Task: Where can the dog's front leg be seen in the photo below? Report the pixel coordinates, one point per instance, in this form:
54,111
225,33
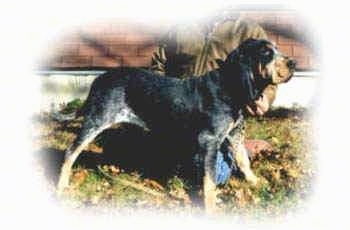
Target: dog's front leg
209,144
209,186
236,139
243,163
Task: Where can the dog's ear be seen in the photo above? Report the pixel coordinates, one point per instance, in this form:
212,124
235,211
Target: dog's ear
247,77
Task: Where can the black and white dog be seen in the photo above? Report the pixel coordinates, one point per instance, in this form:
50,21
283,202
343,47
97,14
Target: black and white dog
206,108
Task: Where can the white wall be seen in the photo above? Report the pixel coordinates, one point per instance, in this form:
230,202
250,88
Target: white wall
59,88
299,90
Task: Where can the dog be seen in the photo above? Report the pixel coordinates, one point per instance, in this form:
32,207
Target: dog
208,109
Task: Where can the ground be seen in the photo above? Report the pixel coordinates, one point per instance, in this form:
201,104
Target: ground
286,173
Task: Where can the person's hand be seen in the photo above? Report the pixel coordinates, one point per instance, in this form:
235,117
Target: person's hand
256,146
261,106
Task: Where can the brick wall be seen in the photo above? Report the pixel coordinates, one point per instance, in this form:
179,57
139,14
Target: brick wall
116,43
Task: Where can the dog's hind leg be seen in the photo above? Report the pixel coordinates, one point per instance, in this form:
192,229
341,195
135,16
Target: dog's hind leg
85,136
93,125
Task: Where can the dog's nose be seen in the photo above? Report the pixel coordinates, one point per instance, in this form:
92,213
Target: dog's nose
291,64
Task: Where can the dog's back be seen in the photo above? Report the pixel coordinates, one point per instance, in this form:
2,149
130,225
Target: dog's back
153,98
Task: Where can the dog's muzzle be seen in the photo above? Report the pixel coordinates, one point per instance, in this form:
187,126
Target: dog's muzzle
285,71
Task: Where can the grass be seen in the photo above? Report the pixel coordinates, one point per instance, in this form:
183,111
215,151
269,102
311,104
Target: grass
285,173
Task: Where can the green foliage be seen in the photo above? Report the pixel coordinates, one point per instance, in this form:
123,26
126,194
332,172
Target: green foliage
176,183
72,106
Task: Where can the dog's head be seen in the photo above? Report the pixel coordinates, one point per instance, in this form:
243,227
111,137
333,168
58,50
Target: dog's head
254,65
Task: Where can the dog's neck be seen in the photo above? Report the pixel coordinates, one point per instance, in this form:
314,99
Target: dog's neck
226,89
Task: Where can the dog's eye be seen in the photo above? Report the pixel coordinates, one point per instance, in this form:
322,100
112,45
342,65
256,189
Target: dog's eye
267,53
